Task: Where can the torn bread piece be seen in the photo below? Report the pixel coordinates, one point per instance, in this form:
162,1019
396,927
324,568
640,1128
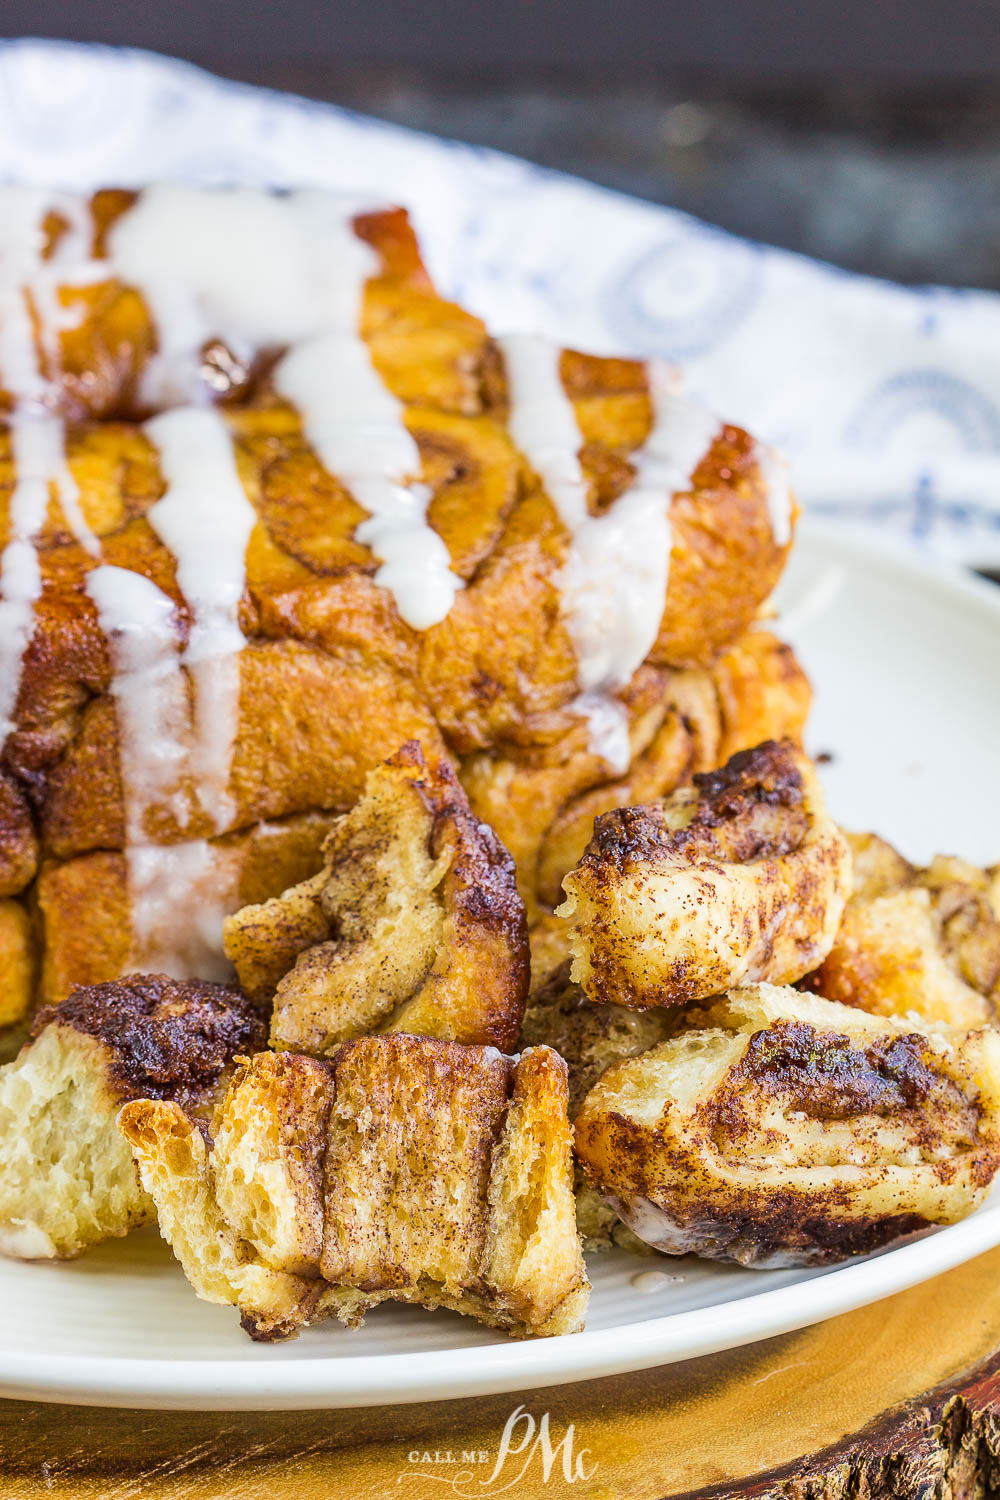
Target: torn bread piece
403,1167
414,924
741,878
67,1180
590,1038
921,941
783,1129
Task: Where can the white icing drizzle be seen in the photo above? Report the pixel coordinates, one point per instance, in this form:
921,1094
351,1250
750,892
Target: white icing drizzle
149,689
26,279
616,574
70,264
543,424
22,240
253,268
205,520
37,438
178,893
356,427
775,475
37,443
69,491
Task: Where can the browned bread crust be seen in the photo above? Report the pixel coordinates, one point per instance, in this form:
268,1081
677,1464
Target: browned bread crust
165,1038
753,807
18,842
18,971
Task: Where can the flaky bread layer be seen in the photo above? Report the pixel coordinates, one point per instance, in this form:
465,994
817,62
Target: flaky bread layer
414,923
403,1168
67,1180
174,1168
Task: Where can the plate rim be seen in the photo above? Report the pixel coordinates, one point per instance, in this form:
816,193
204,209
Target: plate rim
491,1369
480,1370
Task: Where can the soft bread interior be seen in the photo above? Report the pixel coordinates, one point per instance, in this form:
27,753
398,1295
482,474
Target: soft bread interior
67,1179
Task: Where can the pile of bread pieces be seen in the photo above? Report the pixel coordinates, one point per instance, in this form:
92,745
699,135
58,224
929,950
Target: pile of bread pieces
411,875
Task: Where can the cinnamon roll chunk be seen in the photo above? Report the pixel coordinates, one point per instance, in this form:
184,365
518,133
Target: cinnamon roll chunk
781,1130
916,941
741,878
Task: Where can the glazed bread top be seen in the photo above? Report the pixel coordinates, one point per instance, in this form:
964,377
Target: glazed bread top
270,507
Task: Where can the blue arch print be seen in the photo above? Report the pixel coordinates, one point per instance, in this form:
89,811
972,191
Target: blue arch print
970,412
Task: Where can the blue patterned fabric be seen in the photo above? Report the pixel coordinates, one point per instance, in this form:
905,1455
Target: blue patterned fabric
887,399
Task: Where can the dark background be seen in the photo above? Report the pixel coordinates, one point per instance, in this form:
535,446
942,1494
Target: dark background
865,133
899,37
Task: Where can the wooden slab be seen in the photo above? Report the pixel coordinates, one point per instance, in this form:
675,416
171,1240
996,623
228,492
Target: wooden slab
899,1400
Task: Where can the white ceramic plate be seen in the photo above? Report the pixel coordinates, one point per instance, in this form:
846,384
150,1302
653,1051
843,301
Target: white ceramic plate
905,666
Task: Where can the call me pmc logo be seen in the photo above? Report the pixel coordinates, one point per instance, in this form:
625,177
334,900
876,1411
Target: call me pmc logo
526,1447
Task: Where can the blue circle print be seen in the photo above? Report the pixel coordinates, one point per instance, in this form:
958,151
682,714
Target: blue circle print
686,294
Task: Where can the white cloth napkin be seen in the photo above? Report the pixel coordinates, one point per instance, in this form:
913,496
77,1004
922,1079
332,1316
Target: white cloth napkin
887,399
